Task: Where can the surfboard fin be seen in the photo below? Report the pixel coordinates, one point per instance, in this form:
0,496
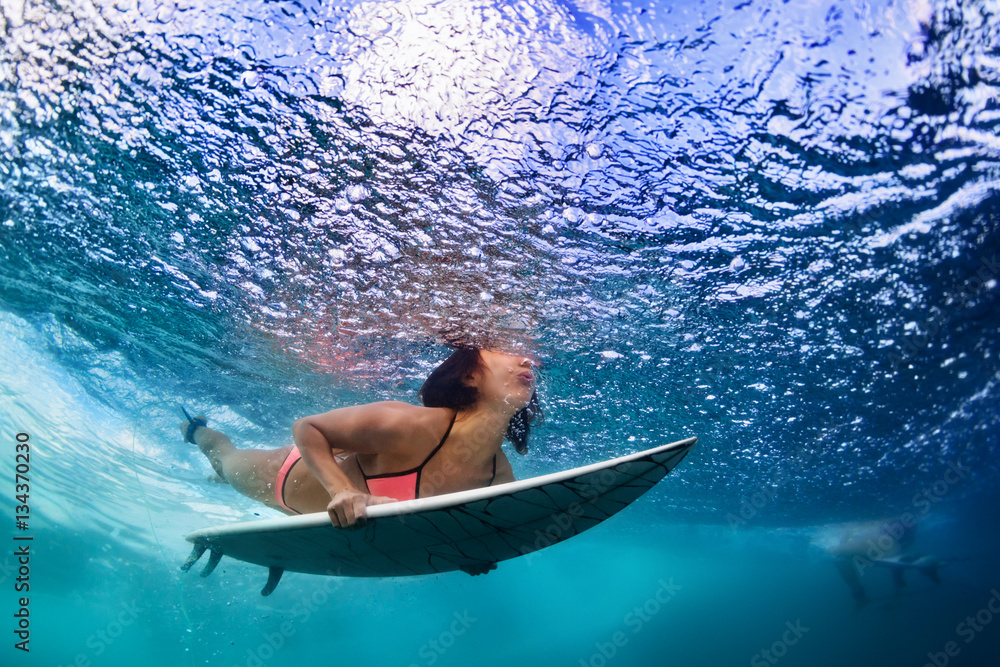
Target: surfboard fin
273,577
213,560
196,553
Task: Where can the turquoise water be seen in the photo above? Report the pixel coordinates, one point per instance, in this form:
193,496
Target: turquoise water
774,226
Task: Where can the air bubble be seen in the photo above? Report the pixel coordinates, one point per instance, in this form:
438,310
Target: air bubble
356,194
165,14
250,80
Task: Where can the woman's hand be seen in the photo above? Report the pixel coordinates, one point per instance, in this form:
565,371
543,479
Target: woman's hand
347,507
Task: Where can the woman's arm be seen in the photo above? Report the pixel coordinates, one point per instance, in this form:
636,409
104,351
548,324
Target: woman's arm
364,429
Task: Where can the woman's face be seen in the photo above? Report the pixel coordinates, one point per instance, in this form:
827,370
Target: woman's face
507,380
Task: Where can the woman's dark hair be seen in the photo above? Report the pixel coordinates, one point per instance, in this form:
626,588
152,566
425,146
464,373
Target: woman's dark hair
445,388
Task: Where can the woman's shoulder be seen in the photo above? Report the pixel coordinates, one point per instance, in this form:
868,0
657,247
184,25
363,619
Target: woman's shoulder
395,420
395,408
404,415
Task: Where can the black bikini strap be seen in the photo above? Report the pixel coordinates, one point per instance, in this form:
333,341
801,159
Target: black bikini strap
440,444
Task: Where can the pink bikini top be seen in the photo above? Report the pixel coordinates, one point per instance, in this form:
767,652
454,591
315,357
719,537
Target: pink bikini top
405,485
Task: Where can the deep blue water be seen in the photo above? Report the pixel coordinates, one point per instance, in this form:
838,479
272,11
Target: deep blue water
772,225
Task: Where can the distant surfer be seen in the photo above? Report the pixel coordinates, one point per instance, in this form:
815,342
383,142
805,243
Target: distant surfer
882,544
388,451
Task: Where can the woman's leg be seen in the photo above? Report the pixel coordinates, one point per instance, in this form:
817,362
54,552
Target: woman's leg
252,472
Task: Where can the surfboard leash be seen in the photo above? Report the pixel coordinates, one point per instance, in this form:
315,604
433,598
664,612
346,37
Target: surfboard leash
152,527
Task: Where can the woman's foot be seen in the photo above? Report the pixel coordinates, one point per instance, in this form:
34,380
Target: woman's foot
191,425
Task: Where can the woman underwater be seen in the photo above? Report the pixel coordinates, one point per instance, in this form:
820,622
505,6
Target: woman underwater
388,451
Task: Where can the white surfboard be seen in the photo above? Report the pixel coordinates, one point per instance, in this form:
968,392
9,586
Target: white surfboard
469,531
